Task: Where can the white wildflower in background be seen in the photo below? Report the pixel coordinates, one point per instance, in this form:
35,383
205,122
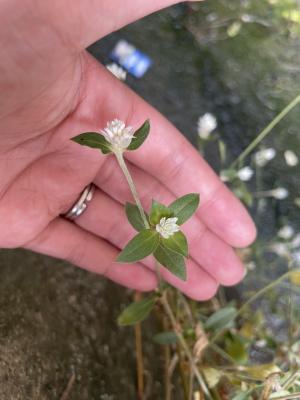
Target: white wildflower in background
167,227
251,266
291,158
117,71
280,193
118,134
245,174
262,157
281,249
286,232
296,241
206,124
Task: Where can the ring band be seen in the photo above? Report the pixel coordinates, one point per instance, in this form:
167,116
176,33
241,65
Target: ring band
81,204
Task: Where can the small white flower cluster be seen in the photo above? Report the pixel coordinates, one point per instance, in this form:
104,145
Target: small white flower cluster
291,158
206,124
262,157
118,134
167,227
280,193
117,71
286,232
245,174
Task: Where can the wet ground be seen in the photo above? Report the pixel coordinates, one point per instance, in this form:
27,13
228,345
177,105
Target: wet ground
55,320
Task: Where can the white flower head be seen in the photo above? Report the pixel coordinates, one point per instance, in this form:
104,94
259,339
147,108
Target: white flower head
281,249
206,124
167,227
280,193
291,158
118,134
262,157
286,232
245,174
117,71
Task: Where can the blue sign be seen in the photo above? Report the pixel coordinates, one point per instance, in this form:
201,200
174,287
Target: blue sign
131,59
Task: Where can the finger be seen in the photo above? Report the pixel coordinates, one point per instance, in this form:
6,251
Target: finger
86,21
223,264
166,154
63,239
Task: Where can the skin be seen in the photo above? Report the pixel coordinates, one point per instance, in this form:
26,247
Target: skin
51,89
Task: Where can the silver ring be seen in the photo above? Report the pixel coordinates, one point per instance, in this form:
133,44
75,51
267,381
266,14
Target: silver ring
81,204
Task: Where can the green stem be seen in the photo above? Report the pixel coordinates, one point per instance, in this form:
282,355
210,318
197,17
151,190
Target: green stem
123,166
164,299
266,131
251,300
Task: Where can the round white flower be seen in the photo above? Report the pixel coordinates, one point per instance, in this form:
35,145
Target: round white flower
167,227
280,193
262,157
245,174
206,124
118,134
281,249
286,232
291,158
117,71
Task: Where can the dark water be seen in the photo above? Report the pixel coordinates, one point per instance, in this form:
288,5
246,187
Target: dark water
55,319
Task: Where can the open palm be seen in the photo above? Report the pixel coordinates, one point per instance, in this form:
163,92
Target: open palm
50,90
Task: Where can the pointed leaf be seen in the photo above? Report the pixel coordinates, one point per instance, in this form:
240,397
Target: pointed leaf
177,242
158,211
174,262
221,318
140,136
185,207
143,244
137,311
94,140
134,216
165,338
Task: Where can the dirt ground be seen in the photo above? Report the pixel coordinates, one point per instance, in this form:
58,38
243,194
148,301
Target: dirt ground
56,321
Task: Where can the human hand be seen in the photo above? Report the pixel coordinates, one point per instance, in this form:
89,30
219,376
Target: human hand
50,90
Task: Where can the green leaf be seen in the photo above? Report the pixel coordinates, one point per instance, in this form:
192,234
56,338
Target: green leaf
140,136
221,318
94,140
165,338
185,207
137,311
158,211
236,348
177,242
134,216
174,262
143,244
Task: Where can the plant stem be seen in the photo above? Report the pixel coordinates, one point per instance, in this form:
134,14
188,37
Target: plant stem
248,302
164,299
132,187
266,131
184,345
139,354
